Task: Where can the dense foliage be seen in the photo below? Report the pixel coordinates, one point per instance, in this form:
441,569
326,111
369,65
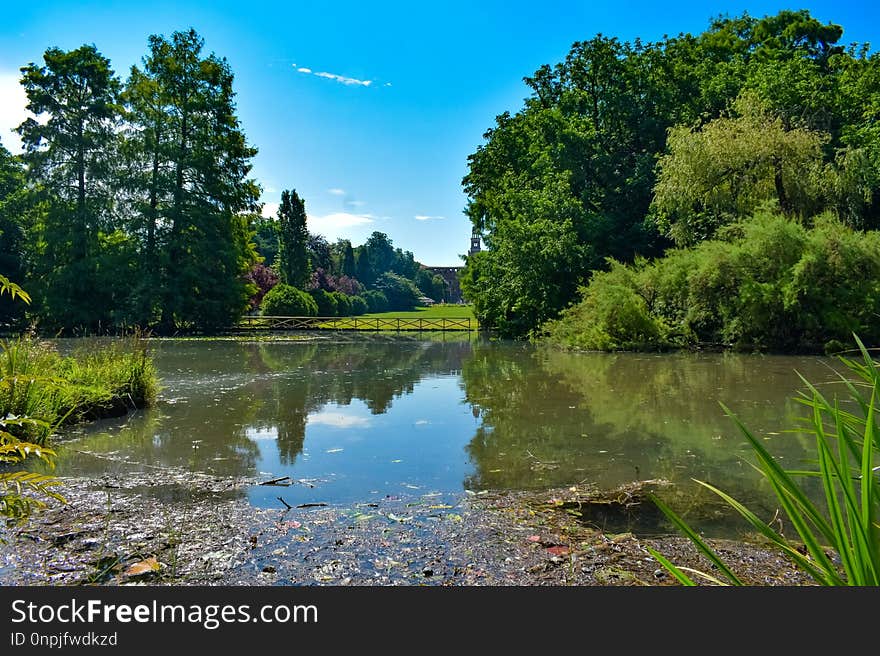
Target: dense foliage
131,203
624,146
400,293
286,301
41,390
293,239
768,282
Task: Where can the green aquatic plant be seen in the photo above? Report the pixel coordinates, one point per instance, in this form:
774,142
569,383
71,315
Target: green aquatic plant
845,523
21,491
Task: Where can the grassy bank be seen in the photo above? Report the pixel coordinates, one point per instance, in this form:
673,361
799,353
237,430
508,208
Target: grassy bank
445,311
94,381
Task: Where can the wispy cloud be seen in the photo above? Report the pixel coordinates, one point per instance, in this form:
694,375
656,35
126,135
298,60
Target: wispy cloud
356,203
426,217
335,77
336,192
348,81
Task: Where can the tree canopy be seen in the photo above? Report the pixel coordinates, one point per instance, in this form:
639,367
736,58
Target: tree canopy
623,145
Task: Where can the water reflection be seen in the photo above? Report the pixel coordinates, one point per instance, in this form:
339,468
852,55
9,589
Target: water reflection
367,417
550,418
246,409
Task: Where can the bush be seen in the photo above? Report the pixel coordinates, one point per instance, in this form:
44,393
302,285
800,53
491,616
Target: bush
343,304
613,315
358,305
286,301
376,301
766,283
401,293
326,303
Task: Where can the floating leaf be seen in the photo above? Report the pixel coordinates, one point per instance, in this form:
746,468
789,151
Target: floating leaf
146,566
558,551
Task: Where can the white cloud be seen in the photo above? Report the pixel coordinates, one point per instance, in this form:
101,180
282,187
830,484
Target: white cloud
337,420
258,434
356,203
339,224
348,81
270,210
342,79
12,110
425,217
341,219
336,192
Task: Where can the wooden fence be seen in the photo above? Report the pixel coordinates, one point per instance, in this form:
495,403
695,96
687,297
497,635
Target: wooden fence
357,323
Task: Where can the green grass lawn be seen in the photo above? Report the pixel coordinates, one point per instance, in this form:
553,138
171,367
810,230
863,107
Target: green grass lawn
433,312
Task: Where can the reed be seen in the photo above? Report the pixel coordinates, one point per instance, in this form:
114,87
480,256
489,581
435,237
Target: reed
845,520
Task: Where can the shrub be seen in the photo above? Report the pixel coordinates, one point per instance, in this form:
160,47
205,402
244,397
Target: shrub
376,301
343,304
401,293
358,305
327,306
765,283
284,300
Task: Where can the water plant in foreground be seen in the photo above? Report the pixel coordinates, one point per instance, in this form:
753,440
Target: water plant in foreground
838,542
21,491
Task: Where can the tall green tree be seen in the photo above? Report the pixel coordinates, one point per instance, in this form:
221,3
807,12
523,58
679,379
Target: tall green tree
197,162
266,239
69,148
320,256
579,158
150,181
293,240
14,210
345,257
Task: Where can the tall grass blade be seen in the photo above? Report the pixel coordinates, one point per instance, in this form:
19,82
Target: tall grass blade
682,578
705,549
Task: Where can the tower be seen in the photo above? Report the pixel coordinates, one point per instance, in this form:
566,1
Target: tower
475,242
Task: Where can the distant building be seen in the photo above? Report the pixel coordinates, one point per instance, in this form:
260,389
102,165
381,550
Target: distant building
450,274
475,242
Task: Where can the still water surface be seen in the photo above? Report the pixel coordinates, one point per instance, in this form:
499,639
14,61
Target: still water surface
372,417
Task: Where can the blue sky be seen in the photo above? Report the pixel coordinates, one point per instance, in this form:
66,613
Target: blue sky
369,110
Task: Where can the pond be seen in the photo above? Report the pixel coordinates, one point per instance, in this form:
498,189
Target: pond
355,419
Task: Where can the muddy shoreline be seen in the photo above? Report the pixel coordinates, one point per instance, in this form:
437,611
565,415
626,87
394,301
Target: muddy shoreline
180,528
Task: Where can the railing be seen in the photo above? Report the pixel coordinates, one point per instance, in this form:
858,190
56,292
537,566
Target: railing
356,323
